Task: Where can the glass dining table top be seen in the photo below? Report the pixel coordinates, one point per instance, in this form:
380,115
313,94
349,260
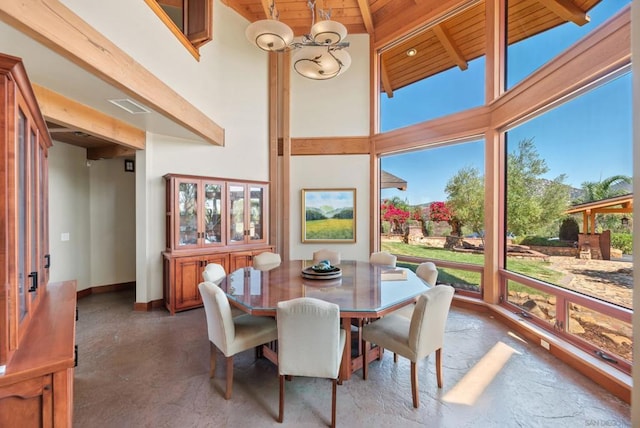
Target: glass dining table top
362,290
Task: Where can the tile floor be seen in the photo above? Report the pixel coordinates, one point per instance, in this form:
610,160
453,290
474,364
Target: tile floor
151,370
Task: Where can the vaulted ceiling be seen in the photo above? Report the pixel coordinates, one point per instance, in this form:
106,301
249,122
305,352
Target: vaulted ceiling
443,35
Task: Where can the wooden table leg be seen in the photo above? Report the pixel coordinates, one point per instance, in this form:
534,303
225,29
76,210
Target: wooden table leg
345,367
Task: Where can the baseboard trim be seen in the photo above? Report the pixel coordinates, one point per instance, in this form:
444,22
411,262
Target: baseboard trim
148,306
105,289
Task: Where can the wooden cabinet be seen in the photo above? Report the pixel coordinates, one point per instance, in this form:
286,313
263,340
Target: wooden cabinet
37,319
209,220
246,211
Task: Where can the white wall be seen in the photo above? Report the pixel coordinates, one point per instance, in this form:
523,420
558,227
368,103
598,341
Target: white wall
112,223
69,214
326,172
95,206
334,107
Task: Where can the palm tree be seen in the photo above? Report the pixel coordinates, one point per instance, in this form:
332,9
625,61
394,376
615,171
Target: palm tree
604,189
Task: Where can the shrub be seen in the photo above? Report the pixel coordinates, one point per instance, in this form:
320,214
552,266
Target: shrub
622,242
569,230
542,241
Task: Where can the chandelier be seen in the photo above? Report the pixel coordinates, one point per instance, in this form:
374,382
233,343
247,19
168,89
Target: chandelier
319,55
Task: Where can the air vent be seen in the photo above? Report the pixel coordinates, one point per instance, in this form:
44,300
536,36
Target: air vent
130,106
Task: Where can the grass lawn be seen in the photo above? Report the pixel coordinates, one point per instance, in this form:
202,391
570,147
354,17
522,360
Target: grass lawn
532,268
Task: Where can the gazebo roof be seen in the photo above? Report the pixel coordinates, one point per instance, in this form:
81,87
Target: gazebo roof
617,204
390,181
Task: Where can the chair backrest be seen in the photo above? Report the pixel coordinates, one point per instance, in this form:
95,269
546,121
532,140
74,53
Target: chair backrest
428,272
266,261
219,320
426,333
310,341
383,258
325,254
214,272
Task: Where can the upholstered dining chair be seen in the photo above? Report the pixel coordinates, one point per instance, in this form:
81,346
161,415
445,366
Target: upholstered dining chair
310,343
428,272
413,338
232,335
326,254
266,261
383,258
215,273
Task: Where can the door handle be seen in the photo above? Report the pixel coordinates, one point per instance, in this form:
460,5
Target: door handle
34,281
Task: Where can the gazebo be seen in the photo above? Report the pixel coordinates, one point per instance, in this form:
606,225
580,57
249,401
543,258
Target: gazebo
588,239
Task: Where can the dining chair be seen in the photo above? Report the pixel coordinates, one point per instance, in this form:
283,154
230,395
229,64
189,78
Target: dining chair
266,261
413,338
428,272
310,343
232,335
383,258
215,273
326,254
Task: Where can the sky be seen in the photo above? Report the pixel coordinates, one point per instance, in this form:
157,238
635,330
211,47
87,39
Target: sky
575,138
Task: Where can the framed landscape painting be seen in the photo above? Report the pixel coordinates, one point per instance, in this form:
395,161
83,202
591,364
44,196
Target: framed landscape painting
328,215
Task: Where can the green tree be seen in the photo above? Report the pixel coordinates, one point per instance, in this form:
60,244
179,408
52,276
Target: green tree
532,202
604,189
465,192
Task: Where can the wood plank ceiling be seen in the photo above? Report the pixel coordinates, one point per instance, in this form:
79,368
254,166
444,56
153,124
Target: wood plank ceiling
439,44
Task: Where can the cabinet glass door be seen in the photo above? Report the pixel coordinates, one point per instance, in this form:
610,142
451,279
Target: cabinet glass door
213,213
34,209
256,213
21,165
236,195
187,213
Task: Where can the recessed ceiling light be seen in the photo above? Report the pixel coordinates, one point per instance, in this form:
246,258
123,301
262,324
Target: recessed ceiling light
412,52
130,106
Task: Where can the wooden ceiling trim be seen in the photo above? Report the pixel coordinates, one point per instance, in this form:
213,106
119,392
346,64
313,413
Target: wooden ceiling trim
64,111
449,46
110,152
384,78
59,29
365,11
566,10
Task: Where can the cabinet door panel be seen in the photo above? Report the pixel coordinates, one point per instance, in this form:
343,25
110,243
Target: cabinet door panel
257,230
188,276
213,214
27,404
236,214
187,215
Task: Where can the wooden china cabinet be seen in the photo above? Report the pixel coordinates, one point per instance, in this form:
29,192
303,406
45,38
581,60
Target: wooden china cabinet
37,319
209,220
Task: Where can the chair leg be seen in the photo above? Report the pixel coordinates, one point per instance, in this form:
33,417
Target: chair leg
281,408
212,357
229,377
414,384
333,404
395,357
365,360
439,366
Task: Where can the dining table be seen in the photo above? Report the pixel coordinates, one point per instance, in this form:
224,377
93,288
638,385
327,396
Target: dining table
363,291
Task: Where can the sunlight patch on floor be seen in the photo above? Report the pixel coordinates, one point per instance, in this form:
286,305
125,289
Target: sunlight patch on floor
473,384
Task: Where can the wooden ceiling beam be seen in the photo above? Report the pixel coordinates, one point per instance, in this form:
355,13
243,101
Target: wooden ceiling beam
52,24
71,114
566,10
450,47
384,78
97,153
367,18
170,3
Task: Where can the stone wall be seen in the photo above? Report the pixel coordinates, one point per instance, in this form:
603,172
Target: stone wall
555,251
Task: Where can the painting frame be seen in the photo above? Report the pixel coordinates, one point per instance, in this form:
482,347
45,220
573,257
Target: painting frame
328,215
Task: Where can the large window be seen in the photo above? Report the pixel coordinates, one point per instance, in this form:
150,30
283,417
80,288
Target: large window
537,33
435,73
576,155
433,208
